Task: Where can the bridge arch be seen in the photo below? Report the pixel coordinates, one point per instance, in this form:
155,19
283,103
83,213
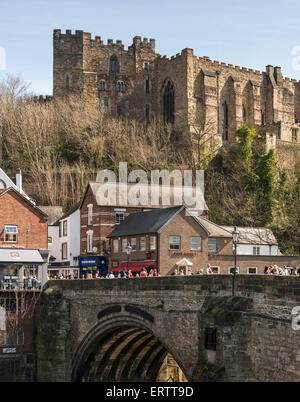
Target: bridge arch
121,348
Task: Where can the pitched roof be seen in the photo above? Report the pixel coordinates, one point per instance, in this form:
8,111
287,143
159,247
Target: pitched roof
53,212
145,222
214,229
70,212
95,187
248,235
9,183
28,202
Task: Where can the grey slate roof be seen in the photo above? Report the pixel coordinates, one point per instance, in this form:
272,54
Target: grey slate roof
145,222
53,212
95,187
255,236
214,229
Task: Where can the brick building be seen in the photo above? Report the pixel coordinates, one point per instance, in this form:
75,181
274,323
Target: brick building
30,222
23,254
184,90
162,238
98,221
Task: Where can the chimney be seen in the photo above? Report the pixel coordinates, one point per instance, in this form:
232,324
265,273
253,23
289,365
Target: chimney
19,181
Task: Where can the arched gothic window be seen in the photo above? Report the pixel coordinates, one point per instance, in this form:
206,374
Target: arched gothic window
114,64
169,103
225,121
102,86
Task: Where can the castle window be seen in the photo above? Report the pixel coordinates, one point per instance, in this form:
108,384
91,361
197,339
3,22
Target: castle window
102,86
104,105
244,114
146,66
147,113
67,81
262,118
147,86
278,134
296,120
120,86
114,64
225,121
294,134
120,109
169,103
210,339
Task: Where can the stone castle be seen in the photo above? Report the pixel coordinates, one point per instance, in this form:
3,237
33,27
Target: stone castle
184,90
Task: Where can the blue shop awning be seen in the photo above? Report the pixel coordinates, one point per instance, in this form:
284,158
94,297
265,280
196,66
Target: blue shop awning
20,257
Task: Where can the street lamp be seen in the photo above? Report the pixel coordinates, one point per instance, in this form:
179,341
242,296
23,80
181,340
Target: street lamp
128,251
235,235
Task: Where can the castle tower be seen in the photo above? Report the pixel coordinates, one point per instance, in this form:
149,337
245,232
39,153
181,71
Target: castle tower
185,91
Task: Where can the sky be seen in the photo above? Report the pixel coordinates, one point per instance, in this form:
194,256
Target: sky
249,34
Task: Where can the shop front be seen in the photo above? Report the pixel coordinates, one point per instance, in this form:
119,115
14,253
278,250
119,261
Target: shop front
89,266
57,269
135,267
20,269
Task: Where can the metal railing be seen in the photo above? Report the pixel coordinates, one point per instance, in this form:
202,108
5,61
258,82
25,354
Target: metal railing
26,284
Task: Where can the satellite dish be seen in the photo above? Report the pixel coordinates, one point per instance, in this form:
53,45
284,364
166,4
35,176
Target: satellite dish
95,249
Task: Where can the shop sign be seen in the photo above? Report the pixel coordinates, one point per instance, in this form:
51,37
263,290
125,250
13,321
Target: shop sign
88,261
9,350
182,254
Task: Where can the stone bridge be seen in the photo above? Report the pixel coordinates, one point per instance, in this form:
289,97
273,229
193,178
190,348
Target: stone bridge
122,329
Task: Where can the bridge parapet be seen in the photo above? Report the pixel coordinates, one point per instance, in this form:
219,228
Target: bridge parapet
87,325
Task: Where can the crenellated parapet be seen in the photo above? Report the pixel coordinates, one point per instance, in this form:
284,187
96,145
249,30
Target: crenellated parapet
223,94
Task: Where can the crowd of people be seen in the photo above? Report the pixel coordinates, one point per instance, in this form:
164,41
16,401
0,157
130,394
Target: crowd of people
125,273
275,270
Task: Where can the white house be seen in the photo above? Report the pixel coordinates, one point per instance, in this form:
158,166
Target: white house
64,243
255,241
6,182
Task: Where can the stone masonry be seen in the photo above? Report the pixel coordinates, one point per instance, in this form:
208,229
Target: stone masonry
109,330
184,90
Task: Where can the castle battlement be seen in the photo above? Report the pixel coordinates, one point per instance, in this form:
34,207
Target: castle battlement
162,87
218,64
